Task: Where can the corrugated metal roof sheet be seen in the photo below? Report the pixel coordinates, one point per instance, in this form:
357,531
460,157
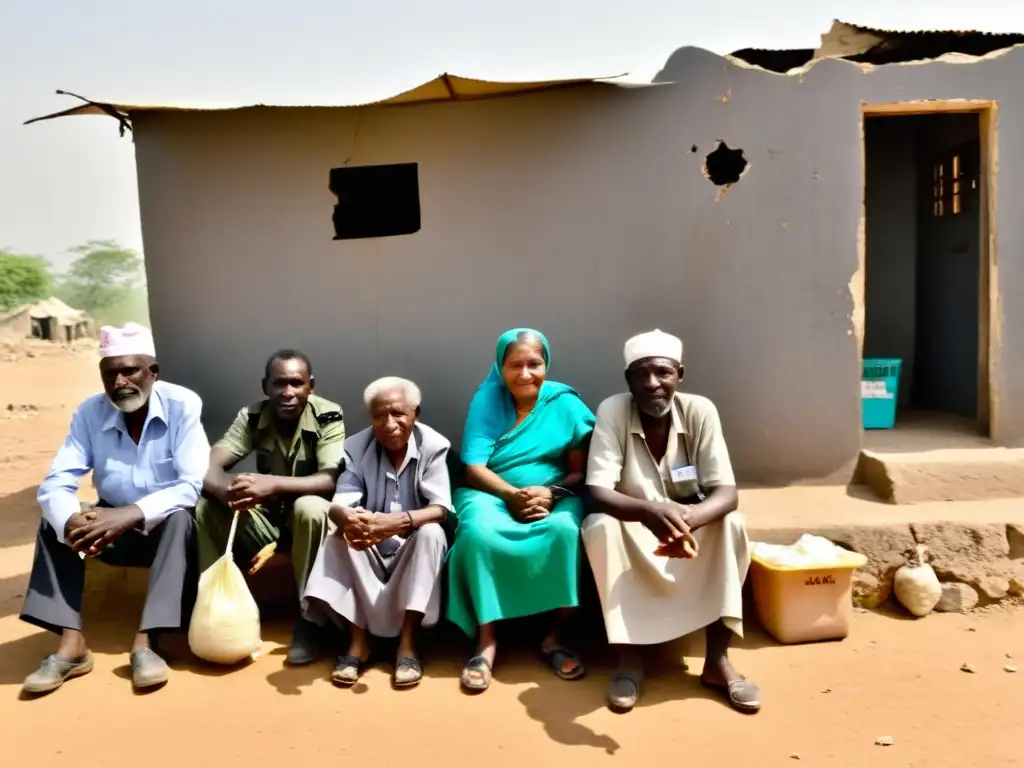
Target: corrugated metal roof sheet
916,32
446,87
869,45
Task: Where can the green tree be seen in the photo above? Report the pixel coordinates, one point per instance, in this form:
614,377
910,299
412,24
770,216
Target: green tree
103,276
23,279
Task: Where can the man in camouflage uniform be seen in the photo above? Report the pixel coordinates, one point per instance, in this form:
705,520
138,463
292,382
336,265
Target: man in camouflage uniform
299,442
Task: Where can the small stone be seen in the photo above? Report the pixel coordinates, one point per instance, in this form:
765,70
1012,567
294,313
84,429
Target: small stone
883,741
795,756
1009,655
1009,668
957,598
971,629
827,690
994,587
867,590
1017,586
968,668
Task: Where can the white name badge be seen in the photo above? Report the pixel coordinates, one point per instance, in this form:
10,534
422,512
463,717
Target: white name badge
395,507
686,474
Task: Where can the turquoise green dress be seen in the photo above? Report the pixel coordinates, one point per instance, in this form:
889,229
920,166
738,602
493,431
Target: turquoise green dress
499,568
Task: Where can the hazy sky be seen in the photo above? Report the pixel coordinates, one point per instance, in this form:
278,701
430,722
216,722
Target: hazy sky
70,180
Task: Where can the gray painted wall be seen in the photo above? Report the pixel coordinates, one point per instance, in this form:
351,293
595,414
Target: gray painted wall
581,212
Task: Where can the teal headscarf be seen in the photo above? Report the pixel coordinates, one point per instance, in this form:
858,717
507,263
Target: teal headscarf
492,411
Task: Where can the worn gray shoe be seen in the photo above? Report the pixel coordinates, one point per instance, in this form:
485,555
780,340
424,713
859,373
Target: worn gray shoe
54,671
148,669
305,643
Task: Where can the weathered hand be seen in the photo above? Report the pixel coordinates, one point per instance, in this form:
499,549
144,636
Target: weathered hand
77,520
358,528
540,496
248,490
531,514
106,527
665,520
685,548
532,498
668,521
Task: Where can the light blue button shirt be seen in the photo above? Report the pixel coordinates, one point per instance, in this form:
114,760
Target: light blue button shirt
160,475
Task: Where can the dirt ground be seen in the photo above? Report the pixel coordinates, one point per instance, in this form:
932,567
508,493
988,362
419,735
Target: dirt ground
825,704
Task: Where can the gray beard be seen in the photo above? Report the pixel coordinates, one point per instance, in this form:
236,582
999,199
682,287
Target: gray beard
130,404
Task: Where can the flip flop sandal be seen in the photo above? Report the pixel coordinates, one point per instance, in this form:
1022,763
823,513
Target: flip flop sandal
348,670
408,672
477,666
624,690
743,696
556,656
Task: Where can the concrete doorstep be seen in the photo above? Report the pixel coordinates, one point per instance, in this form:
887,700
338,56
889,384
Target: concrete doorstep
954,474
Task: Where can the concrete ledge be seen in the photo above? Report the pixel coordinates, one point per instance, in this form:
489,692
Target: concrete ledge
957,474
980,544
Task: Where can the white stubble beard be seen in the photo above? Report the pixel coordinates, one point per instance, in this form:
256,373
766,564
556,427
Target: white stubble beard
130,404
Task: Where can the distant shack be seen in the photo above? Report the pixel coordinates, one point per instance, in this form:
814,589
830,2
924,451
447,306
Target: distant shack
53,320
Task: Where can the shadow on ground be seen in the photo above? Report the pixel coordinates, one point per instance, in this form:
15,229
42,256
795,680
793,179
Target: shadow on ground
20,514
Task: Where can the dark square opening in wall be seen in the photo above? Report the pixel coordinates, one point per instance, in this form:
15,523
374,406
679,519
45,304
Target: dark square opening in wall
376,200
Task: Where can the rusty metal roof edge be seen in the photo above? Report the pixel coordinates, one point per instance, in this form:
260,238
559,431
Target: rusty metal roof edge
914,32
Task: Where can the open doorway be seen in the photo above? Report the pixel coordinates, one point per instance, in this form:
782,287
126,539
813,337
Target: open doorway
926,292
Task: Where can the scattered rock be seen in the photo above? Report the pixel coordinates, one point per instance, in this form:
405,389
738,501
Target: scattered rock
957,598
972,629
994,587
1009,655
867,590
1015,537
1009,668
1016,580
795,756
968,668
964,552
829,690
883,741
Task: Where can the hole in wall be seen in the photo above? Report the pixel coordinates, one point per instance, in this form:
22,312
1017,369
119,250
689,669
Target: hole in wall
375,200
693,149
725,166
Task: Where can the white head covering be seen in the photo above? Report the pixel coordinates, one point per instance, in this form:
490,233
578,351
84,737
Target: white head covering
653,344
130,339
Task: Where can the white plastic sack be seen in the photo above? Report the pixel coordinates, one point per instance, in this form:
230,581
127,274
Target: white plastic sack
915,584
225,626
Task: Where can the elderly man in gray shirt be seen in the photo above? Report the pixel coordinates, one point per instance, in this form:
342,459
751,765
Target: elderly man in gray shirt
378,571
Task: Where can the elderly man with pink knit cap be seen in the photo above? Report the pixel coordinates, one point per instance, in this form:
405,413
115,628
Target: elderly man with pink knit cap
143,441
668,550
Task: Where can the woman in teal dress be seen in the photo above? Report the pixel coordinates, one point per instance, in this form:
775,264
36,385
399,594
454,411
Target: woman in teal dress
517,545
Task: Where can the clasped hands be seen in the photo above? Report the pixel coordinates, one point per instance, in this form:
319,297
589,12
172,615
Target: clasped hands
529,504
673,524
92,531
362,529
